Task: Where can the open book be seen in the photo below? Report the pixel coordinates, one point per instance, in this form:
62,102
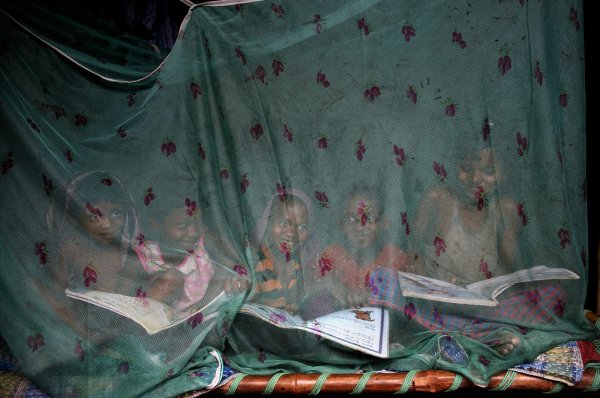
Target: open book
363,329
152,315
479,293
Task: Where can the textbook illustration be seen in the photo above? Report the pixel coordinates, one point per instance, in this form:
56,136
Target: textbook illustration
482,293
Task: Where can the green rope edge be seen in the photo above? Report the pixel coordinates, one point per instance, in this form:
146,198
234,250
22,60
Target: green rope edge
271,384
407,382
506,382
595,383
557,388
360,386
458,379
319,384
235,383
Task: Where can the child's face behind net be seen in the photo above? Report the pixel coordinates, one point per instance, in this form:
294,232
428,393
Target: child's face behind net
180,230
289,223
478,175
103,220
361,221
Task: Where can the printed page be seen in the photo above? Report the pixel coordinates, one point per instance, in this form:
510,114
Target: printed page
419,286
494,286
274,316
363,329
152,315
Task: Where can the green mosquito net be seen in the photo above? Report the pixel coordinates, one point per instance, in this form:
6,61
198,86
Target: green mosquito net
167,216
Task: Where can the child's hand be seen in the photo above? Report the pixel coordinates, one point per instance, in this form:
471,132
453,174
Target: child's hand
292,308
167,286
235,286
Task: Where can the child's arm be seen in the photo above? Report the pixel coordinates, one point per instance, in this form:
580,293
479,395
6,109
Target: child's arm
510,231
167,286
236,285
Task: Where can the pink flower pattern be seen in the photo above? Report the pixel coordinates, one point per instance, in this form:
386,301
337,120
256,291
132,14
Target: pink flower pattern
325,265
277,67
322,143
360,150
362,25
79,351
411,94
256,131
239,54
168,147
35,342
281,192
565,237
80,120
285,249
245,183
440,171
48,186
41,252
371,93
149,196
240,269
190,207
68,155
317,21
201,152
522,145
484,268
408,31
195,320
287,133
89,276
521,213
504,61
486,129
563,99
457,39
400,156
410,311
440,246
481,199
404,218
362,210
33,125
277,9
322,79
196,90
322,198
538,74
574,19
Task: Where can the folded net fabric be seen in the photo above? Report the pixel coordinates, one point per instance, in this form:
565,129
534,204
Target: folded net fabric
292,155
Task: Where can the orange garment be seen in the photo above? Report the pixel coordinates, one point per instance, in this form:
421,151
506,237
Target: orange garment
270,280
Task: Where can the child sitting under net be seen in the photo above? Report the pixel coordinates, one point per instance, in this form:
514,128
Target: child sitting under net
342,274
283,233
94,223
470,233
176,256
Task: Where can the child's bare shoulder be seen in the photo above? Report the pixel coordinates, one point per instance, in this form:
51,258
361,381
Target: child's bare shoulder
438,195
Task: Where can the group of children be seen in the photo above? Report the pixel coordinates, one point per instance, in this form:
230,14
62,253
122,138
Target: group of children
176,259
169,253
